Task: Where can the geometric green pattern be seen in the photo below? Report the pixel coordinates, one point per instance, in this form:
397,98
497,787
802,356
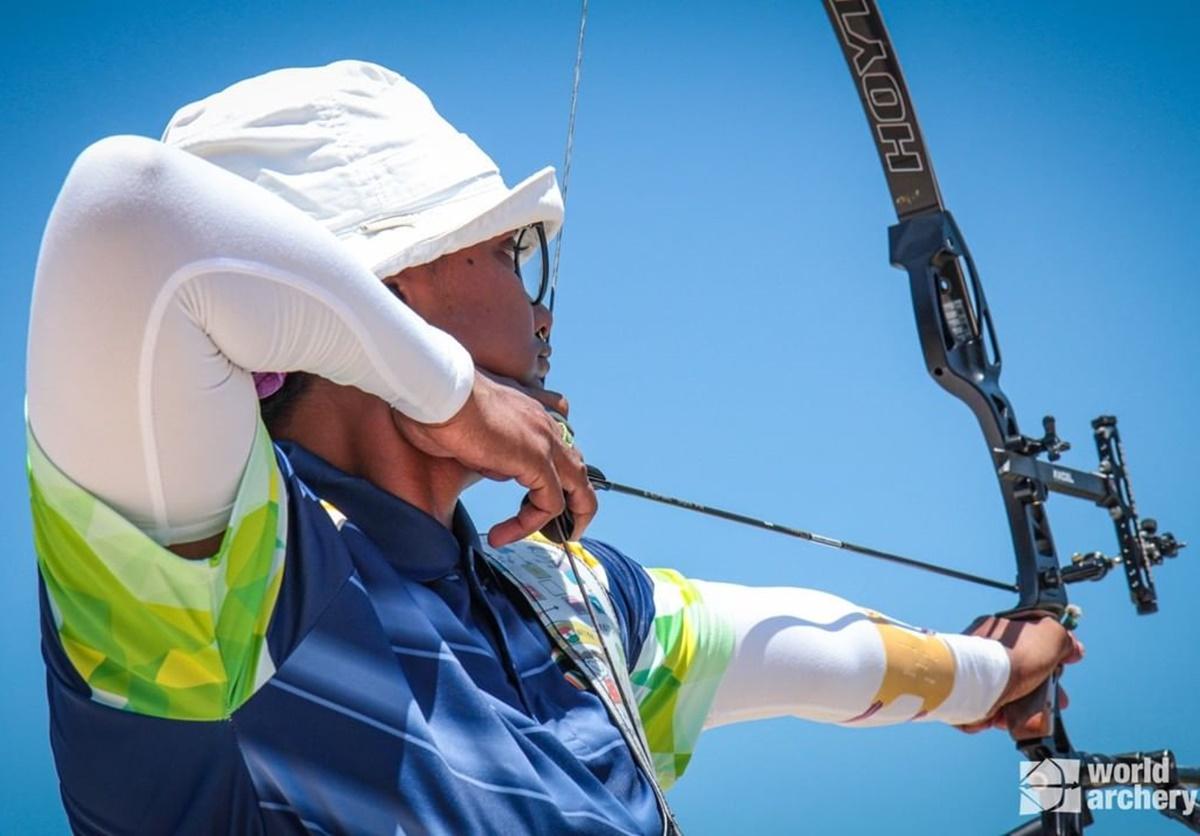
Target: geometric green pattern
678,670
152,632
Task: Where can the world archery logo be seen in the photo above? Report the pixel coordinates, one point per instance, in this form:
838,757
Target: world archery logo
1050,785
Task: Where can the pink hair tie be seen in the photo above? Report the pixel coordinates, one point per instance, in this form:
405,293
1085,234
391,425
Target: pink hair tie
268,383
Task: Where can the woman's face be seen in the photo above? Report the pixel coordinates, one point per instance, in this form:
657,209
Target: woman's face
476,296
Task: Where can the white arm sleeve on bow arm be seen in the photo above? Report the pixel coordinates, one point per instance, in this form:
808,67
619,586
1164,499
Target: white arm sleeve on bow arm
805,653
162,282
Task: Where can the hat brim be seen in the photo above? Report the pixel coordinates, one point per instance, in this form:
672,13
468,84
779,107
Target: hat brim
452,226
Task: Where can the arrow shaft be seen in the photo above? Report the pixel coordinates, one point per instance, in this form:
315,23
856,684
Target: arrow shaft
801,534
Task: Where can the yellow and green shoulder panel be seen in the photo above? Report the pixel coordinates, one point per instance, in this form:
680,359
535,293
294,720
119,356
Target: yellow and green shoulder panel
676,675
149,632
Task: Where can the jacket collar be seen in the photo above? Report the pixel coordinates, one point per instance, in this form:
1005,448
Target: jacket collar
410,539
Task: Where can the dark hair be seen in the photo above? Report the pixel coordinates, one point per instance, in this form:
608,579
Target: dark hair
278,408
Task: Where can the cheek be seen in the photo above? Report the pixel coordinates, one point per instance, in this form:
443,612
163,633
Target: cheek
503,332
487,312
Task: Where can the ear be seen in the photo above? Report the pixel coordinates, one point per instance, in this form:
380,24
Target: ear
414,286
393,285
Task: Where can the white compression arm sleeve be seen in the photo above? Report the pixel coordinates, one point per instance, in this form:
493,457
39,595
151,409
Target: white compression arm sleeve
162,282
806,653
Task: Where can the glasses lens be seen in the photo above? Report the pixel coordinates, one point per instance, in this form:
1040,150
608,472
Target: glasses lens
532,264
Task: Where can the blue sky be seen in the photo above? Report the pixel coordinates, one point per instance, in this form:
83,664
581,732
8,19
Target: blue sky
729,329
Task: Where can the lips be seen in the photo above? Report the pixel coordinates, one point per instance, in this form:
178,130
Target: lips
543,359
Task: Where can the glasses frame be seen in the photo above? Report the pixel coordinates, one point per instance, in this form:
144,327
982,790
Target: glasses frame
518,240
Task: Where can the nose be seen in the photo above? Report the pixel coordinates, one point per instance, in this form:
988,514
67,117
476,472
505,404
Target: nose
543,322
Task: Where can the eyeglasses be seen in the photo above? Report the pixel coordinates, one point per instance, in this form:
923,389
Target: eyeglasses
531,261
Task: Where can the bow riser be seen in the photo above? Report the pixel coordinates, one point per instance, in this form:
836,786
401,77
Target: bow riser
962,356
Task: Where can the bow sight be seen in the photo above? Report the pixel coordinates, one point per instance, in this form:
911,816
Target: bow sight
1140,544
962,354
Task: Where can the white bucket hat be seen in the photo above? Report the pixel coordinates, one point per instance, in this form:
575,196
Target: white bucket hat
362,150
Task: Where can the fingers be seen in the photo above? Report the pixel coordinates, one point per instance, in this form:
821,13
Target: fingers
539,508
979,626
551,400
996,721
530,518
571,470
975,728
577,489
575,495
548,398
1032,715
507,430
543,503
583,505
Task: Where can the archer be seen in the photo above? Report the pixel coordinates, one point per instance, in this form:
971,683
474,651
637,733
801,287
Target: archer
266,357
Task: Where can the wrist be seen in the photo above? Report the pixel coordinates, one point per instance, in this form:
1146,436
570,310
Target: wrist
983,675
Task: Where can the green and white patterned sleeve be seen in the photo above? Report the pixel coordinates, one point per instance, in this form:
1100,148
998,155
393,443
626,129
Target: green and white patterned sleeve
148,631
677,672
